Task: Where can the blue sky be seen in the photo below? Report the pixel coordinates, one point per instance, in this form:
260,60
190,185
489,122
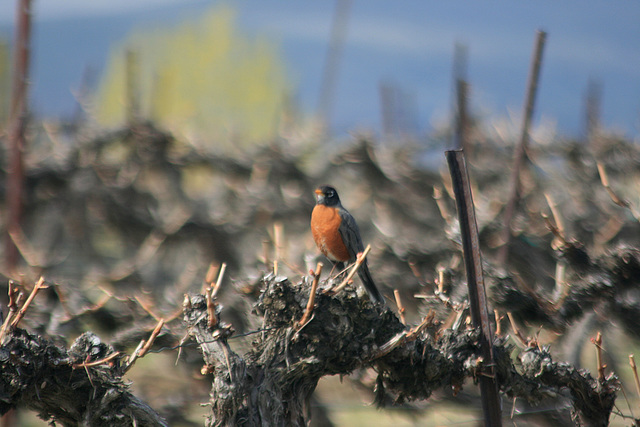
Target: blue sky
409,43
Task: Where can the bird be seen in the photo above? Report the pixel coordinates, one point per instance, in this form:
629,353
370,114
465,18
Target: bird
337,235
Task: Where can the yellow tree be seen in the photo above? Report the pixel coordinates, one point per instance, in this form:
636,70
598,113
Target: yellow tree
202,77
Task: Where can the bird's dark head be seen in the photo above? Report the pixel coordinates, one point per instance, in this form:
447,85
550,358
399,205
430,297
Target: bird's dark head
328,196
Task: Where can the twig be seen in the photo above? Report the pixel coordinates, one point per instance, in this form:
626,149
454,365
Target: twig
441,270
39,285
604,179
444,210
554,230
405,336
211,310
13,308
427,321
212,272
632,362
498,322
556,216
277,243
516,332
96,362
218,282
312,296
134,356
559,292
152,338
359,260
184,338
401,310
598,343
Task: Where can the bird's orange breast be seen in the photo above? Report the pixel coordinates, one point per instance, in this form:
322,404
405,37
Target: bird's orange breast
325,227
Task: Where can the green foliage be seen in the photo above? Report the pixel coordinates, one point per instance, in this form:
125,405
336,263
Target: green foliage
201,78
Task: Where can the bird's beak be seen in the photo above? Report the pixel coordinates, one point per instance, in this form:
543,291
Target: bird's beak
319,195
319,192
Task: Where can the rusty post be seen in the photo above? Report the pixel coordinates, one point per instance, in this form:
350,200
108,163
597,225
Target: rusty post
475,281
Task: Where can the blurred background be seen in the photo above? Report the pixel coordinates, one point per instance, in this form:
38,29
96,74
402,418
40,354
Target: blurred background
409,48
166,138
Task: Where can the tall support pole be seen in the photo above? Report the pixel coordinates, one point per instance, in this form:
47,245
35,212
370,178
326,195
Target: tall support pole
478,304
521,149
16,128
332,61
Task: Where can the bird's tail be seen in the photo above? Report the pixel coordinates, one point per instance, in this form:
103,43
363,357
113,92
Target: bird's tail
371,288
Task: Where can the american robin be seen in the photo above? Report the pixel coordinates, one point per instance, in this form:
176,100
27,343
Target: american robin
337,235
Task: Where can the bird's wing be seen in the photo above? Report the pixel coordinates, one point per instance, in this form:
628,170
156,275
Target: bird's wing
350,234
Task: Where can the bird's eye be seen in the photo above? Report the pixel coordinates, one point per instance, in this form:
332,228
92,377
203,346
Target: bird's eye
330,193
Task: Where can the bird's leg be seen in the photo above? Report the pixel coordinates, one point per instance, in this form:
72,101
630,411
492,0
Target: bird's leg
340,267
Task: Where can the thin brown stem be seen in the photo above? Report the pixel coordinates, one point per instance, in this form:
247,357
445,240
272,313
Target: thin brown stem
39,285
601,366
216,288
211,310
556,216
312,296
359,260
401,309
498,322
634,368
604,179
516,332
212,272
152,338
107,359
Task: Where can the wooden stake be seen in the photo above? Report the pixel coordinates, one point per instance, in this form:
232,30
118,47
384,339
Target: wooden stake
521,150
17,126
478,304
